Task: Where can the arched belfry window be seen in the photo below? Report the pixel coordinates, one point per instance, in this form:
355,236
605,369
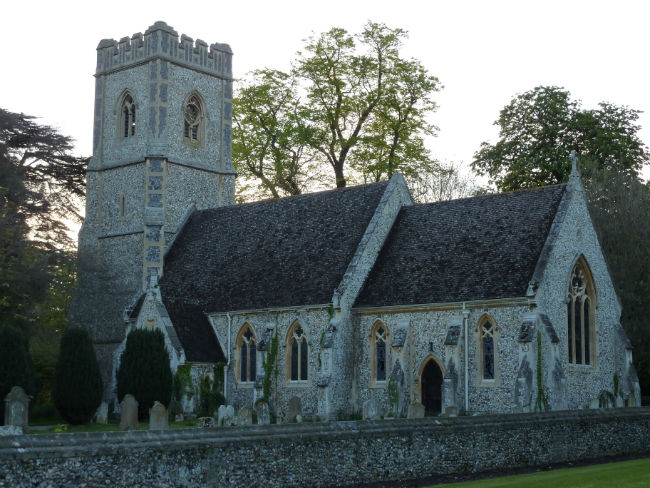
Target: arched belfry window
487,332
297,354
379,352
580,314
246,345
193,119
127,115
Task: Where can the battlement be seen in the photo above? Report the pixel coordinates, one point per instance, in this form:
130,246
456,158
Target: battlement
161,41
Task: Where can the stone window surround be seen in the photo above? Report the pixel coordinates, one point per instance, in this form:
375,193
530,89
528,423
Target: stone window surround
479,335
372,348
240,342
587,291
199,125
304,342
126,101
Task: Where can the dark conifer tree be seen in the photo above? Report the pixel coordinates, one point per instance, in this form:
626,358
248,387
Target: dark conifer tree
77,389
144,370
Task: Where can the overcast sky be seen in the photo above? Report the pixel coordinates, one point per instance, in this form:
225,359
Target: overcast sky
483,52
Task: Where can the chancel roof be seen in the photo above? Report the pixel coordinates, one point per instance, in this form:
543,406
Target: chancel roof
275,253
477,248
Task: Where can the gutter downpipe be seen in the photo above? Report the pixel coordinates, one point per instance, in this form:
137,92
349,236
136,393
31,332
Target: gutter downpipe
465,324
227,368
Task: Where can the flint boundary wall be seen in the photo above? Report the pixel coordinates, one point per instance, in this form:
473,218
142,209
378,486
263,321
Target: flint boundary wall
321,454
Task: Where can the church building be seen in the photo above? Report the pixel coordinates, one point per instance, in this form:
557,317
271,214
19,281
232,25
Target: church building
352,299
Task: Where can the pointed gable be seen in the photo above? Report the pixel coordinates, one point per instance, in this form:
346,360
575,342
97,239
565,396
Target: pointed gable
459,250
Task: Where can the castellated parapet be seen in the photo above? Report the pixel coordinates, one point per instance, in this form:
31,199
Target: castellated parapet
161,41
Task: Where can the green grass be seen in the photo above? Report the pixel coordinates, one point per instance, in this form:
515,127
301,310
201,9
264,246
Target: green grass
626,474
63,428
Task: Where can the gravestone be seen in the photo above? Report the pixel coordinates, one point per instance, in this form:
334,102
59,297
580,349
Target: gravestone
129,413
295,408
17,407
101,415
158,417
263,414
205,422
226,415
415,411
451,411
245,416
370,410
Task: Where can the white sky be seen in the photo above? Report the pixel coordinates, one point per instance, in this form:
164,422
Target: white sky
483,52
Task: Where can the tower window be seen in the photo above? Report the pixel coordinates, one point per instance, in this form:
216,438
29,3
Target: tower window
128,117
192,119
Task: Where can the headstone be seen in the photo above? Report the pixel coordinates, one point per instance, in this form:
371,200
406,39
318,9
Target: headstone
263,414
179,417
7,430
158,417
415,411
295,407
129,413
226,415
299,419
370,410
101,415
245,416
206,422
17,407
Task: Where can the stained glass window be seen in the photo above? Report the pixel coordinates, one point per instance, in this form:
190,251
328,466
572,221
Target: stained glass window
299,355
579,314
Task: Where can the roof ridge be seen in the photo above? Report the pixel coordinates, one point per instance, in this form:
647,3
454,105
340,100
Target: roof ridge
490,195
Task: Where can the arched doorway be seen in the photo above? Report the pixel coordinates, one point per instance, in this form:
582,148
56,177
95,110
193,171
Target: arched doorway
431,387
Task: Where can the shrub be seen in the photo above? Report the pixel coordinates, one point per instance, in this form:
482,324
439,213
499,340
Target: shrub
144,370
16,368
211,397
77,388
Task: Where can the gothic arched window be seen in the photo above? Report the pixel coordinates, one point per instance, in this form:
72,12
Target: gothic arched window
297,354
487,331
127,114
246,345
379,351
580,314
193,119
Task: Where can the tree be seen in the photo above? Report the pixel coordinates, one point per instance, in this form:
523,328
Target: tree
45,179
16,367
351,106
538,130
77,389
144,370
269,134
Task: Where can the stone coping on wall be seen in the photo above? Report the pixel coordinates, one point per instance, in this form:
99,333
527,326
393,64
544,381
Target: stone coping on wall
112,443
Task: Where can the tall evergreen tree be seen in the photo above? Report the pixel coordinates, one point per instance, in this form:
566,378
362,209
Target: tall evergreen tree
144,370
16,367
77,388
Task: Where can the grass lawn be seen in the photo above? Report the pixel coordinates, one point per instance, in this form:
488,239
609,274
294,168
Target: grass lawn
626,474
62,428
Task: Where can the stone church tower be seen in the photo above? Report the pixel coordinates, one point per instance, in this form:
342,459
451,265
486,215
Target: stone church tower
161,148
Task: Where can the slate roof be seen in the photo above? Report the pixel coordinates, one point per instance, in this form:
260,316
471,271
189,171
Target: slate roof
459,250
276,253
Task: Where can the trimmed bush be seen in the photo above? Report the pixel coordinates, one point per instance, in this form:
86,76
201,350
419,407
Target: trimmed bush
77,388
144,370
16,367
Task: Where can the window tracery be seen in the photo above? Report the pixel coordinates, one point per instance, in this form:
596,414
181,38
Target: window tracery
192,119
298,354
379,352
127,113
580,315
487,331
247,346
